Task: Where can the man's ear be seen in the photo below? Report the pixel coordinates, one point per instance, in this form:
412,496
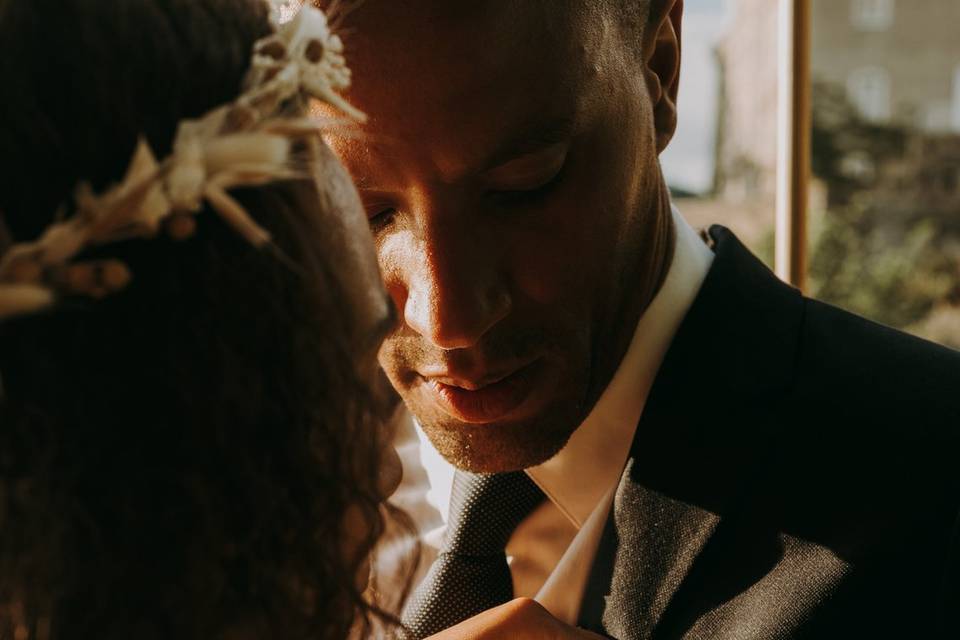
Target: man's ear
661,65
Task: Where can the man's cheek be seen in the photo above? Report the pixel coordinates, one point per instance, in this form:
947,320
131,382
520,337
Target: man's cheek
398,369
562,254
552,272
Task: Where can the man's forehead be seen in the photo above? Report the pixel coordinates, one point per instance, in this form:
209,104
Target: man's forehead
454,14
446,38
451,89
434,61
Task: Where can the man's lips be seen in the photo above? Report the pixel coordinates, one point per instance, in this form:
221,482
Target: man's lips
485,399
470,384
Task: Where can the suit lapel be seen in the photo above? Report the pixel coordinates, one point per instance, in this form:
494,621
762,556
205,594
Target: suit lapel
658,540
691,457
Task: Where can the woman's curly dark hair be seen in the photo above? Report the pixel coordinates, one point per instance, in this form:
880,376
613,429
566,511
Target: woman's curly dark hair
175,460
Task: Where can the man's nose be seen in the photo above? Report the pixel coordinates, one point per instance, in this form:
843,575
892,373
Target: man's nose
454,291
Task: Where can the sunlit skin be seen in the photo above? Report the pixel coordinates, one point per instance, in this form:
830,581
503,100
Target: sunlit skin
509,173
519,618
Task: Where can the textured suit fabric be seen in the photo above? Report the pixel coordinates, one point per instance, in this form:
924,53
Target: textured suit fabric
794,475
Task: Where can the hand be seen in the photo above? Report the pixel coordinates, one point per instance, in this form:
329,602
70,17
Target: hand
520,619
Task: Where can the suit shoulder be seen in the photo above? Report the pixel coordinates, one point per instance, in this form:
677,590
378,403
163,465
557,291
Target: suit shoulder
827,326
881,372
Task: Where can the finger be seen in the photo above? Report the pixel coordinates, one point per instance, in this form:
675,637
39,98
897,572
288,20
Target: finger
522,619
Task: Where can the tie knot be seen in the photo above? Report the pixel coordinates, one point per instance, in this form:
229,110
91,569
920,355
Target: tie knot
486,508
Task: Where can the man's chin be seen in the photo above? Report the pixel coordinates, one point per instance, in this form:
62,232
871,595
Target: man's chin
497,448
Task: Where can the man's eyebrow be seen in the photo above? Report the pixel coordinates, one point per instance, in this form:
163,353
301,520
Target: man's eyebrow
530,138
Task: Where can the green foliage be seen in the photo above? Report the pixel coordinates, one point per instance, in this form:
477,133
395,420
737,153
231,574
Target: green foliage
894,276
888,246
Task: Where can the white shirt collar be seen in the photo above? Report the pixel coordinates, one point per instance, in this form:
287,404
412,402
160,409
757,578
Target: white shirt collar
590,465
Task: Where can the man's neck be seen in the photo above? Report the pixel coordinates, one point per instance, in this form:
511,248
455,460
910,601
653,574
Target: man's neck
652,255
657,254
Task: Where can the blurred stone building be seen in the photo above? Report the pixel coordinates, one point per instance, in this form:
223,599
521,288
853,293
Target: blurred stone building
896,61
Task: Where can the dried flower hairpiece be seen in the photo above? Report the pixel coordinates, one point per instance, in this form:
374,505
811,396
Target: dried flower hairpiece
246,142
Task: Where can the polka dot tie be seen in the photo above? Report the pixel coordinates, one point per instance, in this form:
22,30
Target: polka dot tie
470,573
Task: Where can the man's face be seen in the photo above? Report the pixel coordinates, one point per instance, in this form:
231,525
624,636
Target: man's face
509,173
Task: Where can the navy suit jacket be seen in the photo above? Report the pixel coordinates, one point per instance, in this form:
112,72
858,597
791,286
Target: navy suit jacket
794,475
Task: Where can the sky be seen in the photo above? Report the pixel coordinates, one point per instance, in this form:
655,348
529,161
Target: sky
688,161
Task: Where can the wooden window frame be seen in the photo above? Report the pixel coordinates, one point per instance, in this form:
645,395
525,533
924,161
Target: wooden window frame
793,141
